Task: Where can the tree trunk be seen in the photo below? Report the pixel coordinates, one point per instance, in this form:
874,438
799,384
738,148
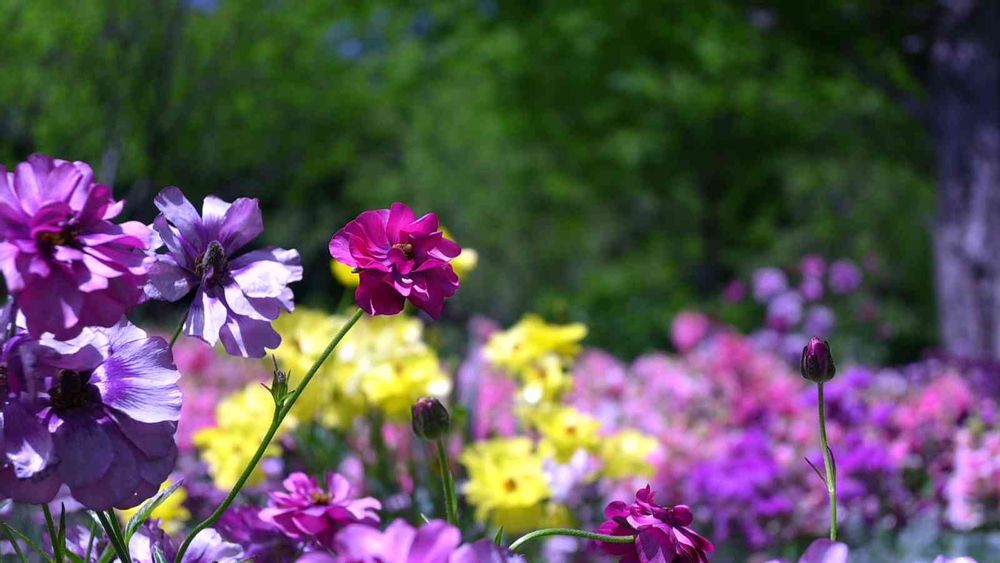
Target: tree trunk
965,104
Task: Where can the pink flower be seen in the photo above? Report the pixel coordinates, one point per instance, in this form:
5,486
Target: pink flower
66,263
398,257
662,533
688,329
308,512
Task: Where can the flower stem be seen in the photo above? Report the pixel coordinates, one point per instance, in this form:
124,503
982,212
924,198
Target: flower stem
280,412
448,482
110,528
180,327
568,532
56,548
831,469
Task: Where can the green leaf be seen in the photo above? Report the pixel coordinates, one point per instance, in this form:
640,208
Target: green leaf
147,508
498,538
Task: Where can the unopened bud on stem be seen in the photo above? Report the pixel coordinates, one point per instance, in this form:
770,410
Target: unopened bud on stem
431,420
817,361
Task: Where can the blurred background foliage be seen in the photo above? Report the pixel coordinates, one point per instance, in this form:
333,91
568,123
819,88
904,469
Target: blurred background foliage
612,162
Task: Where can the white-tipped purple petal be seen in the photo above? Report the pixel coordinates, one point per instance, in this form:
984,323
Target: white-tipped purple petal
140,380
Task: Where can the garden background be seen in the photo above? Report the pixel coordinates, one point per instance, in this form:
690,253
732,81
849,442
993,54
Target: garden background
611,163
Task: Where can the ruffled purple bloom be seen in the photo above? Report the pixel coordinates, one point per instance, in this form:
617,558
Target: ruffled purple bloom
97,414
434,542
308,512
66,264
237,297
398,257
662,533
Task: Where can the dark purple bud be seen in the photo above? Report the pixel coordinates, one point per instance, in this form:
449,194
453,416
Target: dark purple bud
431,420
817,361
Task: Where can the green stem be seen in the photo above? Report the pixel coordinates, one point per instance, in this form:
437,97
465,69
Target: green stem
112,531
180,327
280,412
15,545
448,482
56,548
568,532
831,470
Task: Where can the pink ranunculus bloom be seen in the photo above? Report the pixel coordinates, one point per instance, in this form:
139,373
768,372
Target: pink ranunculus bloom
309,512
398,256
662,533
66,263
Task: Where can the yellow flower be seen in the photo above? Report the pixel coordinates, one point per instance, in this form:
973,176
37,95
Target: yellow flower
170,512
507,484
531,340
241,421
344,274
544,382
627,453
393,387
465,262
565,430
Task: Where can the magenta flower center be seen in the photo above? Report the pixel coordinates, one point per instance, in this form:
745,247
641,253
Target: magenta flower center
72,390
319,497
407,249
66,237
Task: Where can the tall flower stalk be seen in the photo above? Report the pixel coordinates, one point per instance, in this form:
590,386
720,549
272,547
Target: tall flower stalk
283,404
817,366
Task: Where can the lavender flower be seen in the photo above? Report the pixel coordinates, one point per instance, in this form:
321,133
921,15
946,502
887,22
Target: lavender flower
207,547
768,283
66,264
236,297
258,538
101,420
845,276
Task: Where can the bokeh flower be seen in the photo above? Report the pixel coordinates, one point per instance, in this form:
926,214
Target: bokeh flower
309,512
65,262
240,420
565,430
662,533
508,485
236,297
845,276
399,257
260,540
628,453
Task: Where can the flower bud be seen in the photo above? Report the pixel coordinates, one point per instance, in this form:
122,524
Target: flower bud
279,383
431,420
817,361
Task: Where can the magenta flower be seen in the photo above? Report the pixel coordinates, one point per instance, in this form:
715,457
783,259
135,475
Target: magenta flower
97,414
66,264
308,512
661,533
237,297
398,257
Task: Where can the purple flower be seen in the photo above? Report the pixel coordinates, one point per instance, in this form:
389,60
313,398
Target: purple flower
66,264
259,538
812,266
308,512
768,283
845,276
237,297
662,533
820,320
207,547
398,257
784,311
98,414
